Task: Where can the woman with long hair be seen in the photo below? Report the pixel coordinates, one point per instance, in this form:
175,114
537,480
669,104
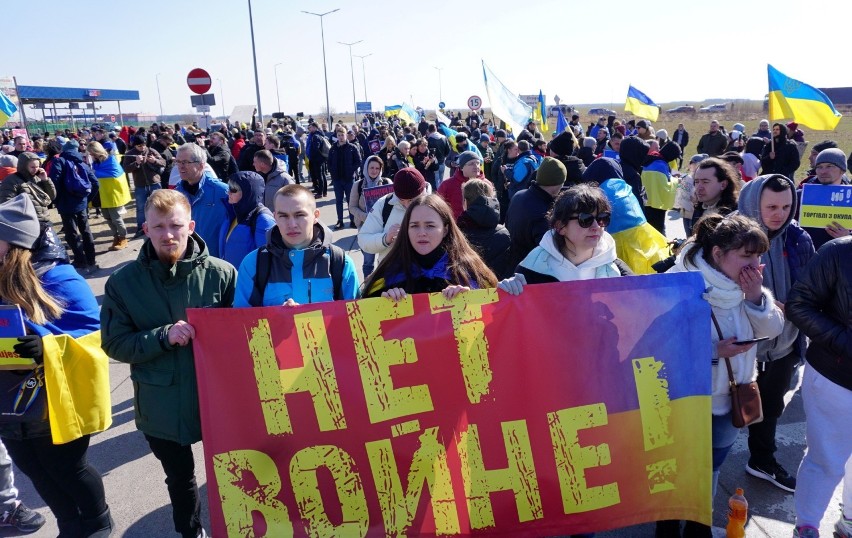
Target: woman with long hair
726,250
430,254
60,315
113,190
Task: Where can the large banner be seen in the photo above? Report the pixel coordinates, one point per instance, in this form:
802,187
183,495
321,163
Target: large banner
574,407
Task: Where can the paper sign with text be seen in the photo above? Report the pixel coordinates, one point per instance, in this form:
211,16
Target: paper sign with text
824,204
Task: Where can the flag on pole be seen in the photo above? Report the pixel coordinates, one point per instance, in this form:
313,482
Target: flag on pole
561,122
641,105
542,113
790,98
407,113
505,104
7,109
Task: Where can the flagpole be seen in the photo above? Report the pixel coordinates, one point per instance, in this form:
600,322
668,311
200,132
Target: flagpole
20,102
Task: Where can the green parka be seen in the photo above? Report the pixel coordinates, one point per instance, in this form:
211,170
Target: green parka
141,302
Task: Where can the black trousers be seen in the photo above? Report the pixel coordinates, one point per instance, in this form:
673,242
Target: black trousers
179,465
79,237
656,218
293,166
773,379
62,476
318,178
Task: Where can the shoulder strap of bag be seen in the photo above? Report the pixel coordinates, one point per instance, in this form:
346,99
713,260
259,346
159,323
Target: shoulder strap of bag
336,269
263,267
727,360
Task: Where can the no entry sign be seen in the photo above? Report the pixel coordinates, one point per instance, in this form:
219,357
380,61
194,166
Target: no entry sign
198,80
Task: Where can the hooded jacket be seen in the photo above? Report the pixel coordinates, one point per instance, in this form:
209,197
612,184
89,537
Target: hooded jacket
546,264
790,249
142,301
786,160
277,178
66,202
357,202
480,224
303,275
632,155
451,190
42,192
737,318
248,220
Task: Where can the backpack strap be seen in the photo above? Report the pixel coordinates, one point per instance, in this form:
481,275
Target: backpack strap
337,262
263,267
386,209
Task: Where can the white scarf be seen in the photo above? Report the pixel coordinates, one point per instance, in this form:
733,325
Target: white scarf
721,292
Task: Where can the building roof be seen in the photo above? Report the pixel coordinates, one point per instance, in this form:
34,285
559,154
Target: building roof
48,94
838,96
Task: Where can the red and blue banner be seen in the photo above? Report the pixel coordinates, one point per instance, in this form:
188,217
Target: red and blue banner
574,407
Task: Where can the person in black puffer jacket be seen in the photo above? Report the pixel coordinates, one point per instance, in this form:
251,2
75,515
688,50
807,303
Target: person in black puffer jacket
479,223
564,149
632,154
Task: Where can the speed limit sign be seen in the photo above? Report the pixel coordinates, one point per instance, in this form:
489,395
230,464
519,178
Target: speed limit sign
474,102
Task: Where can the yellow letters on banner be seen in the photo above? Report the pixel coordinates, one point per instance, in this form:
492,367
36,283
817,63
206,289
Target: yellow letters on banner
248,481
316,376
572,459
469,331
428,465
353,502
656,412
519,476
376,355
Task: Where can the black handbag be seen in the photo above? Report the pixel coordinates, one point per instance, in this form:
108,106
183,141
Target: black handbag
23,396
746,407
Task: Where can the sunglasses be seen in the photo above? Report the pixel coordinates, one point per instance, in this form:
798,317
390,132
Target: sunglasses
585,219
233,190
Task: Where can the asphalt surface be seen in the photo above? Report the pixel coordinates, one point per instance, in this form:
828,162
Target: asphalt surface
139,501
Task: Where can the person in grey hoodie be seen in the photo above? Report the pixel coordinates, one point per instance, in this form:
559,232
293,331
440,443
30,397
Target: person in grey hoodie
771,201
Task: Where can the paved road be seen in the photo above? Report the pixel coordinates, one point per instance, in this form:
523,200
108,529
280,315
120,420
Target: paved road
139,501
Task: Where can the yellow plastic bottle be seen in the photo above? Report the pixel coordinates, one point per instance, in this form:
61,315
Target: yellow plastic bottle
737,515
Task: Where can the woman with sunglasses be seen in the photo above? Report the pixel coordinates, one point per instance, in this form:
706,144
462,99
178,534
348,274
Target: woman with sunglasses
248,219
577,247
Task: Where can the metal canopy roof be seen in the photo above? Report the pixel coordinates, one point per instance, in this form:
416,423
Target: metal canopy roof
48,94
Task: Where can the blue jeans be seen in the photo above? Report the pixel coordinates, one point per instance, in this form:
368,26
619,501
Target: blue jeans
724,435
342,188
369,263
141,194
439,176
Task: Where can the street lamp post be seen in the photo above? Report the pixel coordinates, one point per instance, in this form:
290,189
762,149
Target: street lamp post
222,97
159,96
277,90
256,80
364,72
324,68
440,90
352,71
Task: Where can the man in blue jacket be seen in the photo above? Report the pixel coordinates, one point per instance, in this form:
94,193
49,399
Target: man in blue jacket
207,195
299,264
344,161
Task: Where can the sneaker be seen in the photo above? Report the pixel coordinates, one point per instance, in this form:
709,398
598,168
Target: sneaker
774,474
843,527
805,532
22,518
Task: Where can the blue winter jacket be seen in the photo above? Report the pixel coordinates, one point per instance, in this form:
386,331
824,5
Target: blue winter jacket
67,203
248,220
303,275
208,209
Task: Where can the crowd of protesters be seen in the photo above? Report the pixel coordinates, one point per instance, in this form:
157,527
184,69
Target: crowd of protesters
230,219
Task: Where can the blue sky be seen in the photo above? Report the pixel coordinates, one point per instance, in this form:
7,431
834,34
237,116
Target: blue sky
586,52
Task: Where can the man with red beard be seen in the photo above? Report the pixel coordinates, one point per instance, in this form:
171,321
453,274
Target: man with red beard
143,324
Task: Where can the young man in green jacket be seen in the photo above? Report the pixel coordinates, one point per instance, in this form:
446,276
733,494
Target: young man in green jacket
143,323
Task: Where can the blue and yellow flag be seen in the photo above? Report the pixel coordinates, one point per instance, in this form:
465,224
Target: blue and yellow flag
561,122
641,105
790,98
542,113
7,109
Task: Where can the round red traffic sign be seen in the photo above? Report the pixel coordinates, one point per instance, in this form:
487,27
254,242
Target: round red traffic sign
474,102
198,81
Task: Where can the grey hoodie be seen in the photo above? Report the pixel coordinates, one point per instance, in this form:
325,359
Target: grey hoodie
776,273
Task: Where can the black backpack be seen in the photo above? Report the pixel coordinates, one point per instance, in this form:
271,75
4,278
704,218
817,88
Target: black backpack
263,268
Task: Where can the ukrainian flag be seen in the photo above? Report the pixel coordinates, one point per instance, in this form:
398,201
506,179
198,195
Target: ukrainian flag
790,98
7,109
407,113
561,122
542,113
641,105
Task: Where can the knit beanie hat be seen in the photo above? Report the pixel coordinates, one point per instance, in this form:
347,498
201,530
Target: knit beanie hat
833,156
408,183
564,144
467,156
662,133
551,172
19,224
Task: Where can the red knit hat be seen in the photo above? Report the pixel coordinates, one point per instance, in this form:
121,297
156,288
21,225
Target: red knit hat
408,183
